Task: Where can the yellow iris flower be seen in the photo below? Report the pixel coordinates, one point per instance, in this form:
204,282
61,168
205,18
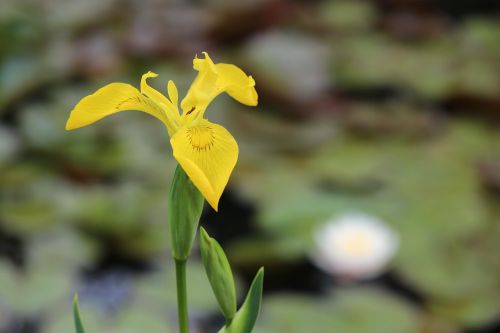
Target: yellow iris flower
206,151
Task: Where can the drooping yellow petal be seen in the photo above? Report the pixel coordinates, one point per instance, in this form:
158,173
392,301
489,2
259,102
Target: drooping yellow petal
213,79
237,84
110,99
208,153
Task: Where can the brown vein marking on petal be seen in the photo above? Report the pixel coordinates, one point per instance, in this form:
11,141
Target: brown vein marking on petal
201,138
150,103
130,99
141,100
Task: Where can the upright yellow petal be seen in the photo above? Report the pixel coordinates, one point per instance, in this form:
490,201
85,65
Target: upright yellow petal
173,94
168,106
203,89
213,79
208,153
151,92
110,99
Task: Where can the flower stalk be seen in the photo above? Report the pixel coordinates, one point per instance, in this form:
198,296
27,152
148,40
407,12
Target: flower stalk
182,309
185,207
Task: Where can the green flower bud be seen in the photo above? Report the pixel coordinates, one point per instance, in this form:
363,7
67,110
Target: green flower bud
184,211
219,274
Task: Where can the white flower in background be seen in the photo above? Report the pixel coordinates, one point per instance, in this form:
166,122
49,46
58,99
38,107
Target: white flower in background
355,246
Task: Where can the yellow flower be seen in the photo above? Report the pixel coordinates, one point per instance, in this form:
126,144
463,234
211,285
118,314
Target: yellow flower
206,151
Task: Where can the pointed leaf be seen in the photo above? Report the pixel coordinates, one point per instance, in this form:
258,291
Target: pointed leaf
246,316
76,316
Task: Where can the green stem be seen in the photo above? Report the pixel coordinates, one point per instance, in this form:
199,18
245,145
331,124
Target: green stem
180,274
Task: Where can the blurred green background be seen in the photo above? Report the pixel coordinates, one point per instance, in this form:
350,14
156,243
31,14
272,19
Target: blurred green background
388,107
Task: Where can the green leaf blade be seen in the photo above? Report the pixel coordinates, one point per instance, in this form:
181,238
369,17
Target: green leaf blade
245,318
76,316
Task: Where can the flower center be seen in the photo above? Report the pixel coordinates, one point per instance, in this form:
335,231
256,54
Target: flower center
357,243
201,138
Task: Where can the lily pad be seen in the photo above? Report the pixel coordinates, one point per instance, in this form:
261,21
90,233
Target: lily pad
354,310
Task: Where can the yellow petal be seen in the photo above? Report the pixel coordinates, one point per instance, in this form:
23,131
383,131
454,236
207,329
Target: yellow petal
213,79
208,153
110,99
203,89
172,92
237,84
160,99
151,92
